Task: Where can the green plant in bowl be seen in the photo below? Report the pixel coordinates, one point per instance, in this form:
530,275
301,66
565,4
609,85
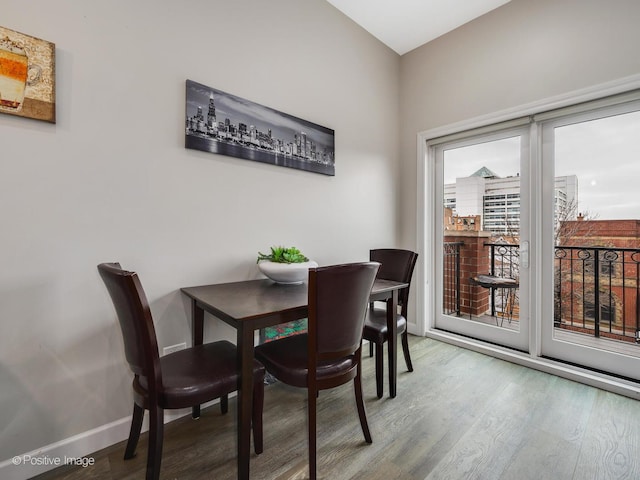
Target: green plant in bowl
286,266
283,255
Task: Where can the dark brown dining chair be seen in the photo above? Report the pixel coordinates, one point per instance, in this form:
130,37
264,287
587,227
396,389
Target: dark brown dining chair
329,354
396,265
179,380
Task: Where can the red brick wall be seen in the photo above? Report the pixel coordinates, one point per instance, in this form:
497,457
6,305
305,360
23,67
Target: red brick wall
474,260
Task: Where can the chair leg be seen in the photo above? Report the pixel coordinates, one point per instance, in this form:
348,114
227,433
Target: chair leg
370,349
405,349
311,400
379,370
134,432
224,404
156,431
258,405
357,385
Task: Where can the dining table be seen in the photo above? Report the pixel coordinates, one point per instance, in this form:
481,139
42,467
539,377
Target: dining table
251,305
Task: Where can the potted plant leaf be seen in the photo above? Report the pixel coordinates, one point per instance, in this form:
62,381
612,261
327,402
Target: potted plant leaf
286,265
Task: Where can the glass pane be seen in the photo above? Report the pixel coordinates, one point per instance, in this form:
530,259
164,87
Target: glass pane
482,232
597,235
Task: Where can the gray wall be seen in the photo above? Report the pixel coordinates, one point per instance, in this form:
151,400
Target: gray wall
112,181
522,52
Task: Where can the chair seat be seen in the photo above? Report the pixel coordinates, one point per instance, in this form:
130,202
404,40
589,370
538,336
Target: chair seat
287,360
183,381
375,325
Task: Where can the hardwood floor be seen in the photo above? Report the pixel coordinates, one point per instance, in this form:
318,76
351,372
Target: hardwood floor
459,415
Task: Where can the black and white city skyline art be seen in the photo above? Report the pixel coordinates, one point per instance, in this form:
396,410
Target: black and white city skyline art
222,123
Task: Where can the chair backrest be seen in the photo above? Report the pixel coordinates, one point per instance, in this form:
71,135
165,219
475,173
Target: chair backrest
136,323
396,265
338,297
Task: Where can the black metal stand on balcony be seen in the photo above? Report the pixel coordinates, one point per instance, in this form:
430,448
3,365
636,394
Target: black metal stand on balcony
492,282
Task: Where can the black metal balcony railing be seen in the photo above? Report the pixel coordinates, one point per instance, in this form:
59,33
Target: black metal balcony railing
505,260
596,289
504,263
451,300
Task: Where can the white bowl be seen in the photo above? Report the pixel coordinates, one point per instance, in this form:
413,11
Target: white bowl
286,273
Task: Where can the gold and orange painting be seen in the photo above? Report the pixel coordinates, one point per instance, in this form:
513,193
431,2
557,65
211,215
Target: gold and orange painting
27,76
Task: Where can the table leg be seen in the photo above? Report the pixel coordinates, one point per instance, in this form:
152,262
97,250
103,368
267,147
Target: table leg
392,328
244,344
197,327
197,331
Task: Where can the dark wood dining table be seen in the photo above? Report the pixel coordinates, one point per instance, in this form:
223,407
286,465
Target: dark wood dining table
255,304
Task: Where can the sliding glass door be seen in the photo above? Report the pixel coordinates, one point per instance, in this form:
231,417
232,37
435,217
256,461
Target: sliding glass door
481,225
592,239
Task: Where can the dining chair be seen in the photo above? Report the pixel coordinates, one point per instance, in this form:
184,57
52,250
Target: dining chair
396,265
329,354
178,380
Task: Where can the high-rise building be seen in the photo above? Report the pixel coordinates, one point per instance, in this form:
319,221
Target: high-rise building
497,200
211,115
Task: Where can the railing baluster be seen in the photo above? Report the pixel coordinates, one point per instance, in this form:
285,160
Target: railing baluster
636,258
584,271
493,272
624,294
457,254
571,288
596,290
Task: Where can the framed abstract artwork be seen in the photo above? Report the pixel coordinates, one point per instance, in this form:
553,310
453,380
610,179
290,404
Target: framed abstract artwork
27,76
218,122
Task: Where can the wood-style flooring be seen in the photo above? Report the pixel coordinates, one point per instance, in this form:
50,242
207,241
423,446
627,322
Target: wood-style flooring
459,415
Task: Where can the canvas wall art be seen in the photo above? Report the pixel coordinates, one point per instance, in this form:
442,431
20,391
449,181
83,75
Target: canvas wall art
222,123
27,76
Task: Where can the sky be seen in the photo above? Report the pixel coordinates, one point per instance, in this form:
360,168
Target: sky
604,154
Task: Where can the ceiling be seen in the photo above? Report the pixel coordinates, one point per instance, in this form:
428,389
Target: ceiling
404,25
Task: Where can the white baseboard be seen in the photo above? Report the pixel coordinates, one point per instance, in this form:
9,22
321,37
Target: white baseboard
30,464
77,448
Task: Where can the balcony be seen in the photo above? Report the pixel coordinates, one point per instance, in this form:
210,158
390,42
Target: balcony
596,289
